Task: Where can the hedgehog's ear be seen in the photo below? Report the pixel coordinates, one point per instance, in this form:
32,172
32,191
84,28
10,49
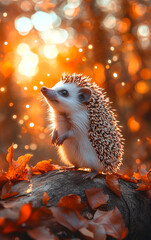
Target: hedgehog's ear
84,95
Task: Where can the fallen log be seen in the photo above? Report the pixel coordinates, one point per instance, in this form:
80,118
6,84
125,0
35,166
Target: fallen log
134,205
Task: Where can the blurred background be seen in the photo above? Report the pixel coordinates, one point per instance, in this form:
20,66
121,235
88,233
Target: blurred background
108,40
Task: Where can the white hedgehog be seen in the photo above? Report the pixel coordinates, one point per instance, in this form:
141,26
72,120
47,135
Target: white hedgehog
84,126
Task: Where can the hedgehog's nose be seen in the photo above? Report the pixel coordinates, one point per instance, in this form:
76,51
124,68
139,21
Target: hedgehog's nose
44,89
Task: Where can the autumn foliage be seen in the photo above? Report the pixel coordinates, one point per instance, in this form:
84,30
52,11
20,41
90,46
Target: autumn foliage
39,222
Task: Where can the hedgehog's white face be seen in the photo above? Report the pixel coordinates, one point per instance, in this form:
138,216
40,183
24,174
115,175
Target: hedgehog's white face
66,97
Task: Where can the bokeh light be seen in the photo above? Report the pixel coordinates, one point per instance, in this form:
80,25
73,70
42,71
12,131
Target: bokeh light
50,51
23,25
28,64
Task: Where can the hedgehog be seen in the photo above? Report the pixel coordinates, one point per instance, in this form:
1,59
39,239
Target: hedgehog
83,124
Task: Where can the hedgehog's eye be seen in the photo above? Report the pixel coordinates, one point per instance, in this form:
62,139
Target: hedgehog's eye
63,93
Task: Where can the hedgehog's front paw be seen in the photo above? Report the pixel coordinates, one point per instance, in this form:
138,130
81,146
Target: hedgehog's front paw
54,136
61,140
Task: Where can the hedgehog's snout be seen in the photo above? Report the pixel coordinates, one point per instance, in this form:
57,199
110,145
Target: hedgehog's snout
49,94
44,89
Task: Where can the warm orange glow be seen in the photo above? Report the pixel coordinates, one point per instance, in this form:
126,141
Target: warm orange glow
112,48
35,87
138,161
84,59
133,124
5,14
21,122
107,66
141,87
50,51
11,104
2,89
26,117
29,61
90,46
99,73
115,58
14,116
145,74
27,106
31,124
25,88
143,166
42,136
80,50
123,25
33,146
115,75
15,146
26,147
134,65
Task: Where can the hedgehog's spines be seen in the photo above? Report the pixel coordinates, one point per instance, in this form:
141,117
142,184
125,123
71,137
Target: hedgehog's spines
104,131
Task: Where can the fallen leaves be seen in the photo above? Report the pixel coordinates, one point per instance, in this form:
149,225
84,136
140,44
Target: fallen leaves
113,183
6,191
110,223
45,198
69,218
43,167
96,197
144,181
19,170
38,223
25,213
71,201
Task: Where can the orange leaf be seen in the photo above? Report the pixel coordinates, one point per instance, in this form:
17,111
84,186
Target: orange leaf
41,233
125,177
3,178
143,187
2,220
10,154
71,201
8,195
25,213
9,227
17,169
69,218
86,233
113,184
112,222
43,167
45,198
96,197
6,191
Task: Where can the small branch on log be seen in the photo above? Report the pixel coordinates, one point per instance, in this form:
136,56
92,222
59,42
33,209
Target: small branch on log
133,205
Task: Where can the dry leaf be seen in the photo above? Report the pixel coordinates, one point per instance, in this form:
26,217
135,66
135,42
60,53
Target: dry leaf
41,233
112,222
70,219
45,198
113,183
6,191
71,201
96,197
43,167
25,213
